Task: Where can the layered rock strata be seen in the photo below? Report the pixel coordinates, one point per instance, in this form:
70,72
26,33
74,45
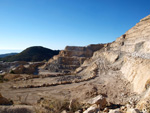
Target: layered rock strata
71,58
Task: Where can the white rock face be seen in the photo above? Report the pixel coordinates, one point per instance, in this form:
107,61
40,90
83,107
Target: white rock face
99,101
91,109
137,71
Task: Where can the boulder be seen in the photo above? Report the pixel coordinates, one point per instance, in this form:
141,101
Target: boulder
99,101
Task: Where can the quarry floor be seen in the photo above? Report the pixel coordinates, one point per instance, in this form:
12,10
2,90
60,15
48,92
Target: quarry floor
111,84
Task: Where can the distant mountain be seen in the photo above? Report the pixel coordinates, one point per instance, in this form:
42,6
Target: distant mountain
34,54
7,54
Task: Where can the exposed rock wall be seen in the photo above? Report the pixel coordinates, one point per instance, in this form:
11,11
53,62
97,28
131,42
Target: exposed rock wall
136,39
71,58
129,55
137,71
137,62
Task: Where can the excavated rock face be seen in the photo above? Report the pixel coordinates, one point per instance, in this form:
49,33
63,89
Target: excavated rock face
137,71
127,58
137,60
136,39
71,58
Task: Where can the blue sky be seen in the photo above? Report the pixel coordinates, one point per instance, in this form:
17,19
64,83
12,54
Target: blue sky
57,23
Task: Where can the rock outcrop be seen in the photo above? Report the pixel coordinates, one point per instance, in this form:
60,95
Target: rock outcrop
71,58
97,103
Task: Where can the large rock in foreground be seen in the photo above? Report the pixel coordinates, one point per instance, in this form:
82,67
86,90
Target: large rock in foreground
99,100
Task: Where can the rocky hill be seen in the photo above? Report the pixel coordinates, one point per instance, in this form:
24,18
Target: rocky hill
34,54
71,58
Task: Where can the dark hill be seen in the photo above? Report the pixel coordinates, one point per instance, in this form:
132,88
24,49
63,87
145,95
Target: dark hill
34,54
